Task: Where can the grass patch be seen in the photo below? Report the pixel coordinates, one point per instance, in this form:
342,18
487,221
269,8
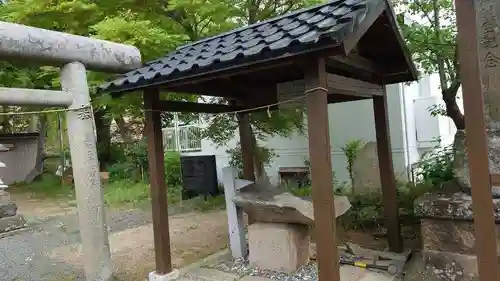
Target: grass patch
125,192
120,193
46,185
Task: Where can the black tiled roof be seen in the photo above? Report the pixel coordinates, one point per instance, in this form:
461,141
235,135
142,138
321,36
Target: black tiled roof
326,24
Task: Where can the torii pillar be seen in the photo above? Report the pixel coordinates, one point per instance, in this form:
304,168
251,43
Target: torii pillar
75,55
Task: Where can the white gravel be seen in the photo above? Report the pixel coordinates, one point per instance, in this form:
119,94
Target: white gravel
242,268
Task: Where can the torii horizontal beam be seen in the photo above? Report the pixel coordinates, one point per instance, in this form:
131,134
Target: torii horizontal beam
48,98
47,47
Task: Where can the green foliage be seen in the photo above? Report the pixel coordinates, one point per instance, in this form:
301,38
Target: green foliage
264,154
47,185
432,40
125,192
433,36
155,27
350,150
173,175
367,208
134,165
436,166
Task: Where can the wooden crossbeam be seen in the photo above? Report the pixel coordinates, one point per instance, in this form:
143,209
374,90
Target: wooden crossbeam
193,107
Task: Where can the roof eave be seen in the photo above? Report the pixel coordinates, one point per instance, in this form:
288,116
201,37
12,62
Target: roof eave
412,69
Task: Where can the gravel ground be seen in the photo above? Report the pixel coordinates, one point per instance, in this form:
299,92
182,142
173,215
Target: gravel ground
241,267
27,251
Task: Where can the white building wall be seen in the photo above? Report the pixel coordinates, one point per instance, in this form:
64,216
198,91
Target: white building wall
347,121
412,130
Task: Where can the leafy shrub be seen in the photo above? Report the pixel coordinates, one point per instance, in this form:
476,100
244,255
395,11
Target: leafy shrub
264,154
119,171
350,150
173,175
435,167
135,167
124,191
367,208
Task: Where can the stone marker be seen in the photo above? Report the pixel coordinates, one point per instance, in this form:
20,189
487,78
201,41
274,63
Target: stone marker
365,169
279,239
272,204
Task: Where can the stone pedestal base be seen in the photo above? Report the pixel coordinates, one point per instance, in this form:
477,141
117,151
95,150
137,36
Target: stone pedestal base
9,219
153,276
448,235
278,246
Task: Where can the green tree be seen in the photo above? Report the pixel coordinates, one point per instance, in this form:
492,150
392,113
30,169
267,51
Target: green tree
199,20
155,27
146,26
432,41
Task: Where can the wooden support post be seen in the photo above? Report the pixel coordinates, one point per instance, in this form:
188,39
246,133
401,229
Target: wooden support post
321,171
477,142
246,146
387,179
157,183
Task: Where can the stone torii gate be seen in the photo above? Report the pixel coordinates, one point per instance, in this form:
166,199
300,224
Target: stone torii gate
74,54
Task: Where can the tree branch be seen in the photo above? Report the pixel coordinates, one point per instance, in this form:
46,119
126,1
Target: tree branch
423,10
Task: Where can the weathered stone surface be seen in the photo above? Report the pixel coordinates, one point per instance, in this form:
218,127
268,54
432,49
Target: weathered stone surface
439,267
270,204
461,166
450,266
7,209
278,246
12,223
312,251
451,236
448,236
456,206
365,169
56,48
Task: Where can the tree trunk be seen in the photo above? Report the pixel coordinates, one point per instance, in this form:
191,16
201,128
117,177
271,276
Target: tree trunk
452,110
260,171
103,126
123,129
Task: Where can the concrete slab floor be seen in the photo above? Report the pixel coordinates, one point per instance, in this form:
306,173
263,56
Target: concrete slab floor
207,274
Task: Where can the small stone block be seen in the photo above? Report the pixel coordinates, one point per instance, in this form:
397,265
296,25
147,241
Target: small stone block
208,274
7,209
278,246
153,276
254,278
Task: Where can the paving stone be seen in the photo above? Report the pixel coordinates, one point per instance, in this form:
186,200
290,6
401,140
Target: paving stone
206,274
254,278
